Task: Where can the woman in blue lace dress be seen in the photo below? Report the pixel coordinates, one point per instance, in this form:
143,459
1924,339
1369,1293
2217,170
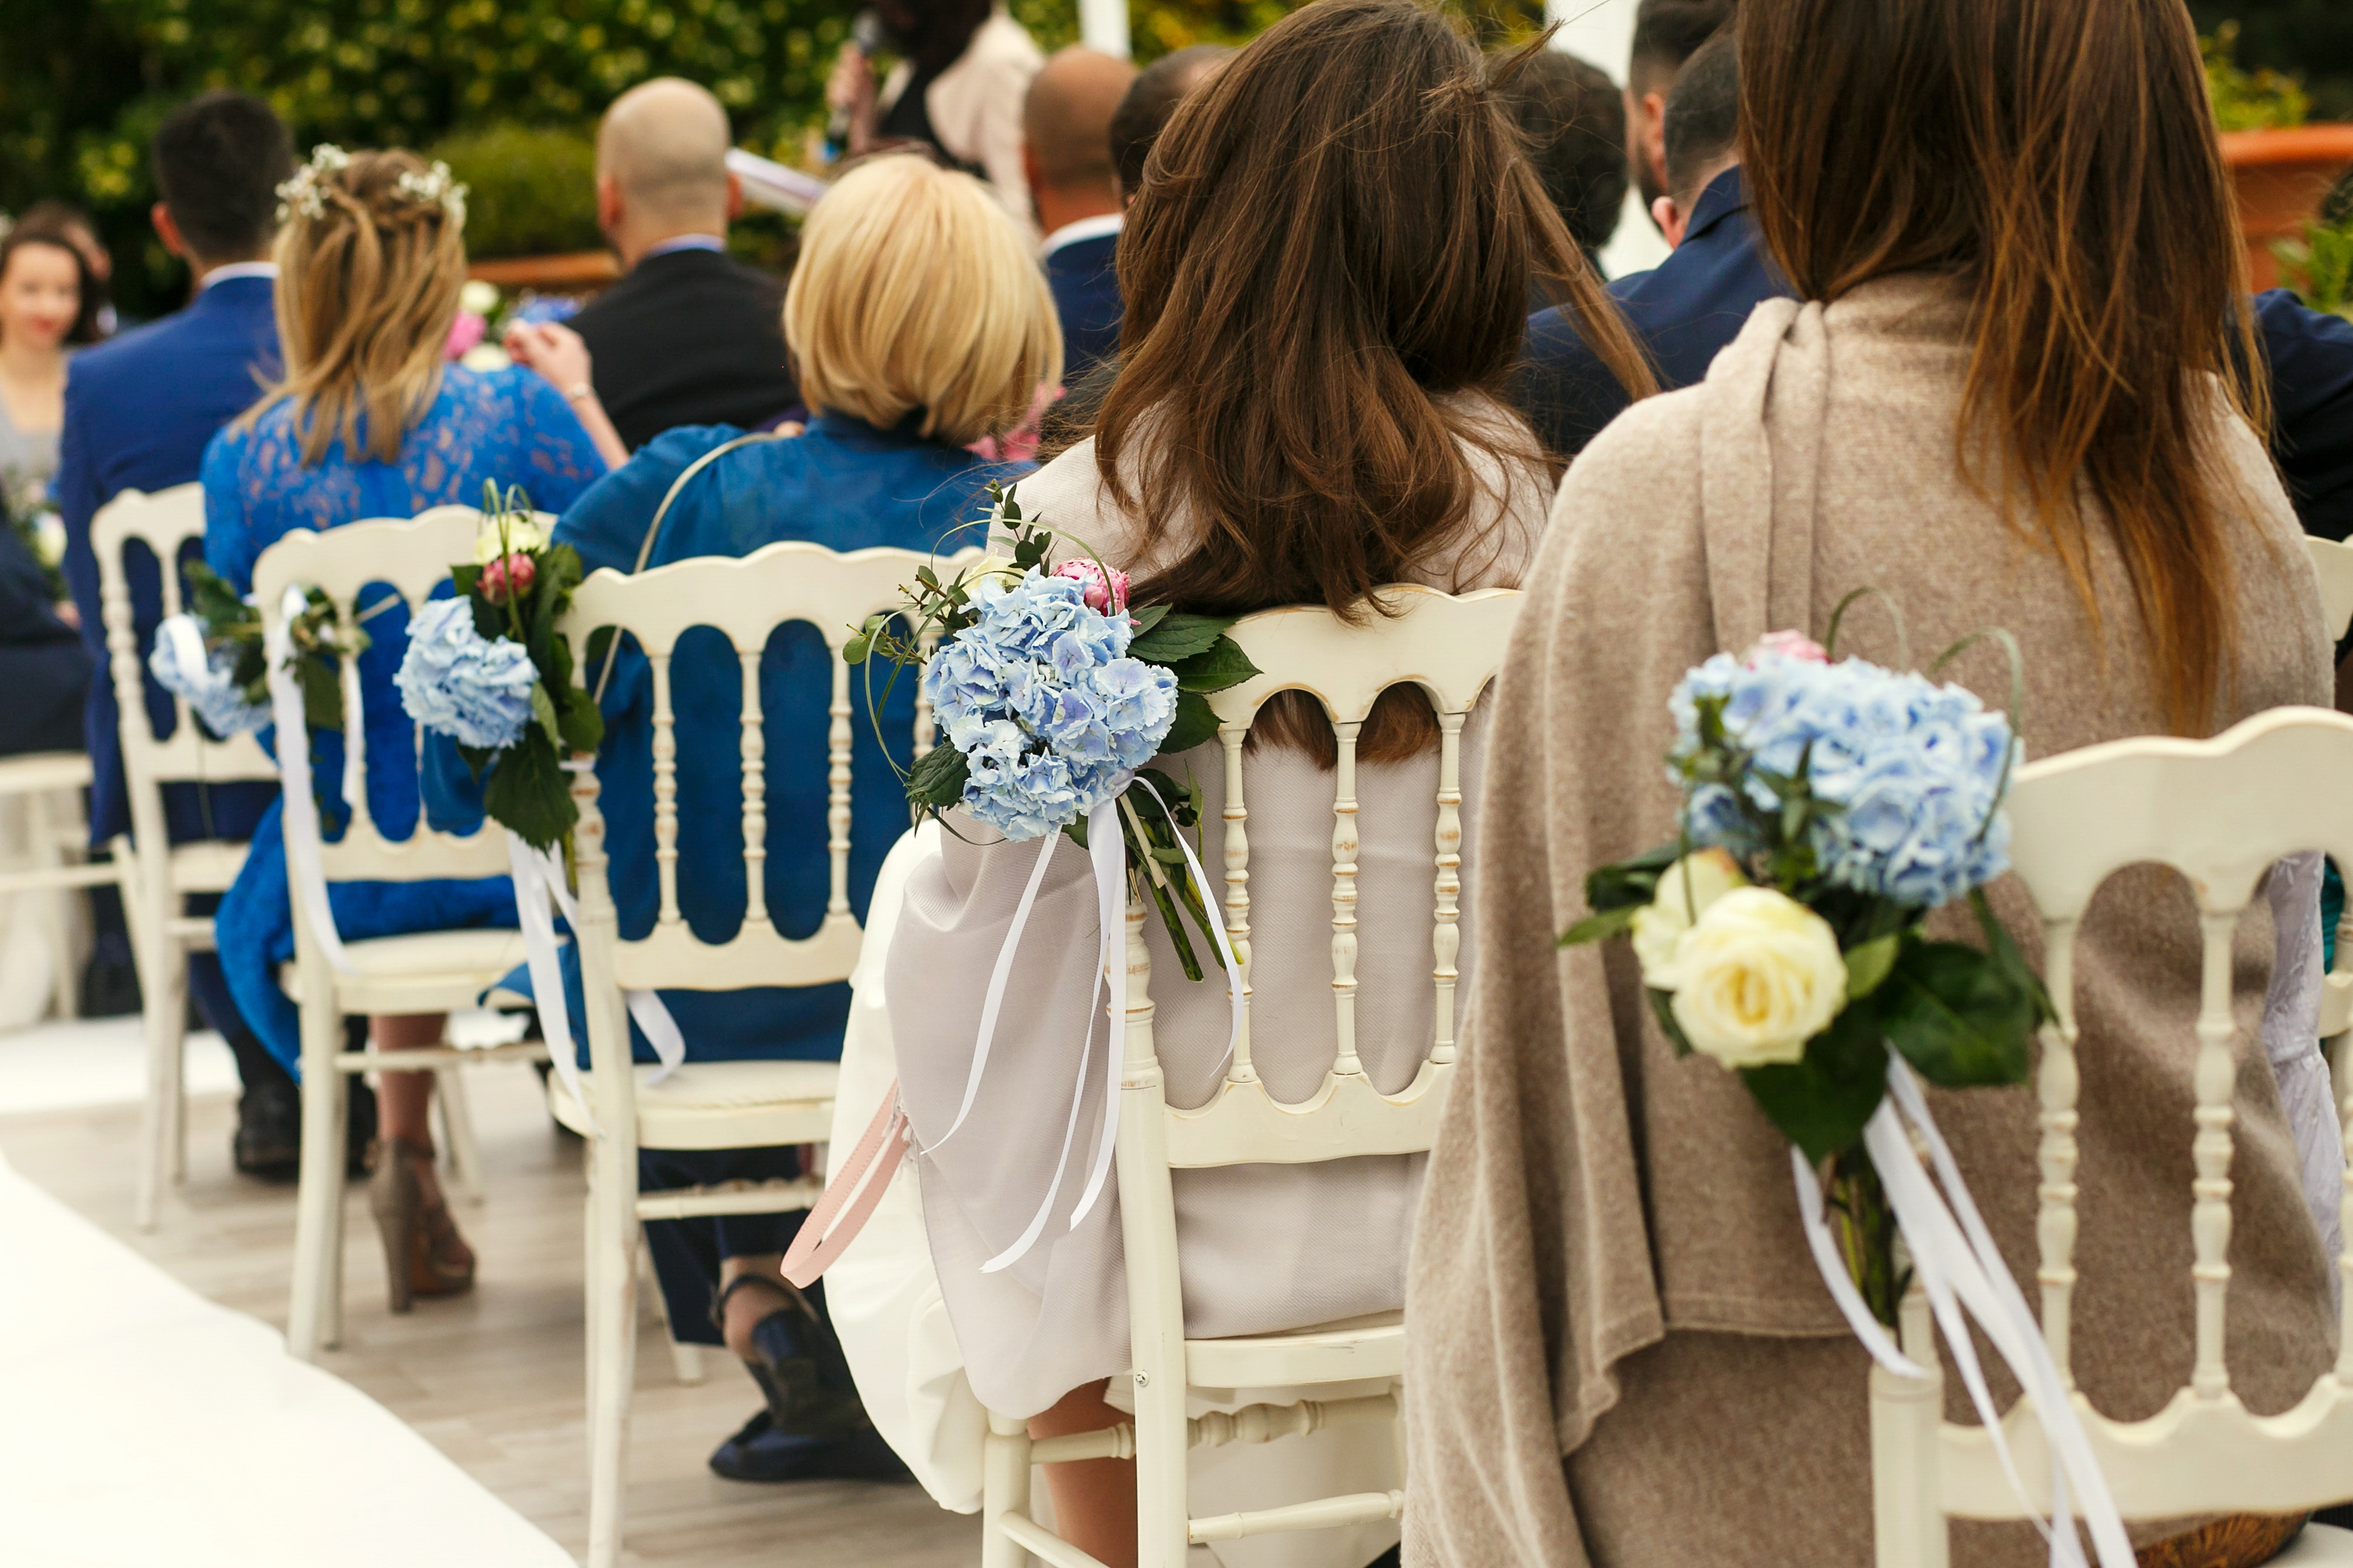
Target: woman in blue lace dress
371,423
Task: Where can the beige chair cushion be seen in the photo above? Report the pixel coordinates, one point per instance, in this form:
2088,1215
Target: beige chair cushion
720,1105
431,971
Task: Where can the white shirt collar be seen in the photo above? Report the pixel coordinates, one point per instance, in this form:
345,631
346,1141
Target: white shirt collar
1086,229
238,270
682,242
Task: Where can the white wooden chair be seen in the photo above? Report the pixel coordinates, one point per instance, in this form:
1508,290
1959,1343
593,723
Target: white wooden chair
51,784
2220,811
2333,563
430,971
163,873
703,1105
1451,648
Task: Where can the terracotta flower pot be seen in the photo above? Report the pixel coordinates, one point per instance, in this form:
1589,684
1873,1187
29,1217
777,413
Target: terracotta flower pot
2281,178
578,272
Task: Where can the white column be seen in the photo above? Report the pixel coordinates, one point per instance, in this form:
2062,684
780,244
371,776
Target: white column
1602,31
1103,25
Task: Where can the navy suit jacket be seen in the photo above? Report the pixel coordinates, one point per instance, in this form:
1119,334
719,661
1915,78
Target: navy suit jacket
1696,301
139,412
1084,279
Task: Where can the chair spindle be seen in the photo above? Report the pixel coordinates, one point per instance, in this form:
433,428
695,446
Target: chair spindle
1344,900
755,746
2210,1215
2057,1084
1446,934
1238,903
665,785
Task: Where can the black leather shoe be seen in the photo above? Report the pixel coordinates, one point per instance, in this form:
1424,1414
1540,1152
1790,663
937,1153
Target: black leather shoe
761,1453
799,1363
268,1142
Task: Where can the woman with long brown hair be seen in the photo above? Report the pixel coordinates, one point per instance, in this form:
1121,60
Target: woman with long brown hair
2014,396
1327,272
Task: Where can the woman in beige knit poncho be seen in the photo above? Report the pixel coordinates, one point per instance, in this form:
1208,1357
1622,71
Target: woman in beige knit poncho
2009,400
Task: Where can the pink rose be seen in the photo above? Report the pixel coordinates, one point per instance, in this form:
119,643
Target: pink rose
1102,597
1789,645
508,573
464,333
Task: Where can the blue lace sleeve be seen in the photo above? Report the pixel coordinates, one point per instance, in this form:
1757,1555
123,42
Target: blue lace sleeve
558,462
228,539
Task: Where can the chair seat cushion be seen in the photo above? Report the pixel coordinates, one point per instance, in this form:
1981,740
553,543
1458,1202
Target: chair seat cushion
2320,1546
1368,1347
429,971
720,1105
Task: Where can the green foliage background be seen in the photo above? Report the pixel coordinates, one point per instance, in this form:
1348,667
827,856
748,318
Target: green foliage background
84,82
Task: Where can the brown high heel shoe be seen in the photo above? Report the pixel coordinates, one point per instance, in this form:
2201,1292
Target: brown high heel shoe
423,1253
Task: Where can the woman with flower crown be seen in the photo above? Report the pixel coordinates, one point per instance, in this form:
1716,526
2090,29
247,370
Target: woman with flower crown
369,422
1326,272
2012,392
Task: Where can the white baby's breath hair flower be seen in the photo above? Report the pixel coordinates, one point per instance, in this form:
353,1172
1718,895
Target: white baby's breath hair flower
434,187
302,193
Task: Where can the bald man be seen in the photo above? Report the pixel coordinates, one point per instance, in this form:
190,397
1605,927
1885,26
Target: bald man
1066,154
689,336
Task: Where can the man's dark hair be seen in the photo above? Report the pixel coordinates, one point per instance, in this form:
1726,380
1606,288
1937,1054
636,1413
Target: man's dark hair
1151,98
1703,121
219,159
1575,121
1669,32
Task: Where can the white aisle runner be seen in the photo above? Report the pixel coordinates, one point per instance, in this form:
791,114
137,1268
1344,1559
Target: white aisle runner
143,1426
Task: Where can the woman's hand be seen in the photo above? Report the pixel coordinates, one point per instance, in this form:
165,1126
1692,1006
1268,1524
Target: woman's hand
850,93
556,352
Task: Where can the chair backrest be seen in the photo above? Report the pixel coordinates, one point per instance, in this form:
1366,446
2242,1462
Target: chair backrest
2334,564
2221,812
164,522
746,599
1449,647
413,556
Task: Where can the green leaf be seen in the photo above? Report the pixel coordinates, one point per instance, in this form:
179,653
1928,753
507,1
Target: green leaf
1822,1102
1149,617
543,713
938,777
1220,665
528,791
1867,966
463,578
1956,1016
1197,723
1179,635
2009,961
580,725
1662,1008
323,695
1601,927
1628,882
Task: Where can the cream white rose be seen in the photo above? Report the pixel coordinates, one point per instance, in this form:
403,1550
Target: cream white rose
522,533
1688,887
1759,975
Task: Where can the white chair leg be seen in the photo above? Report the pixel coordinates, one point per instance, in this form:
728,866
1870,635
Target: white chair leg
685,1359
465,1162
1162,1528
314,1317
46,848
163,1158
614,1345
1005,1481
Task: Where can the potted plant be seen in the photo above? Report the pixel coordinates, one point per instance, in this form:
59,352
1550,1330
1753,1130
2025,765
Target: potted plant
2281,167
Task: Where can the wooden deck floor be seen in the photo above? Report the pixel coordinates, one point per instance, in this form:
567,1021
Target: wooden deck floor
494,1379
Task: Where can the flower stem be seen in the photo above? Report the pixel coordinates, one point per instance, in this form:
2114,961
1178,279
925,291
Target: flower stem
1866,1233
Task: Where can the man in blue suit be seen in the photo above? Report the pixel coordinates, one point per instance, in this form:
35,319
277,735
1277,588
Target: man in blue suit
139,411
1066,152
1697,301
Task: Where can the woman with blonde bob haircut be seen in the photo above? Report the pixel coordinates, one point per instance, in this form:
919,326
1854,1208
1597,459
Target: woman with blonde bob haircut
921,326
371,422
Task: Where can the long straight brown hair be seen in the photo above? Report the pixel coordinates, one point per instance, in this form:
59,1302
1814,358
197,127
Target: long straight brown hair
1326,274
2059,155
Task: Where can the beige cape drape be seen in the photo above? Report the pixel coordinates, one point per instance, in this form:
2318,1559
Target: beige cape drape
1619,1352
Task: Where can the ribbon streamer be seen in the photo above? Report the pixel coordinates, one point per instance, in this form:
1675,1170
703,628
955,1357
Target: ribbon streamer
300,825
537,871
1958,1267
853,1194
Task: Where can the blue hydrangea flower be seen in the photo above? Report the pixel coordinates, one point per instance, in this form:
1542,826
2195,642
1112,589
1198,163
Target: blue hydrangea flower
1052,717
206,686
1915,768
454,682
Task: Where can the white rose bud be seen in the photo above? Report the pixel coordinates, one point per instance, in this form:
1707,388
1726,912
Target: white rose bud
1685,890
1760,975
520,533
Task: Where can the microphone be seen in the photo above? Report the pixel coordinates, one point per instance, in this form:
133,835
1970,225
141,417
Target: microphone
866,38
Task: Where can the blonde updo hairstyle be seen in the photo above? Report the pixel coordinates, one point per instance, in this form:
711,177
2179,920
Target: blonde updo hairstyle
914,293
369,260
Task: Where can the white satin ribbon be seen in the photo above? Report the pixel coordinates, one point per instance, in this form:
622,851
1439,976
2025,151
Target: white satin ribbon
299,826
1964,1276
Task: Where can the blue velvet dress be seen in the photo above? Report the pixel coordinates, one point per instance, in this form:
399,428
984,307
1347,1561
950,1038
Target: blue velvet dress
847,485
508,427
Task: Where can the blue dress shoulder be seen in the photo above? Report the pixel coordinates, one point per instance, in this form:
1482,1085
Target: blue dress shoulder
845,485
508,427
